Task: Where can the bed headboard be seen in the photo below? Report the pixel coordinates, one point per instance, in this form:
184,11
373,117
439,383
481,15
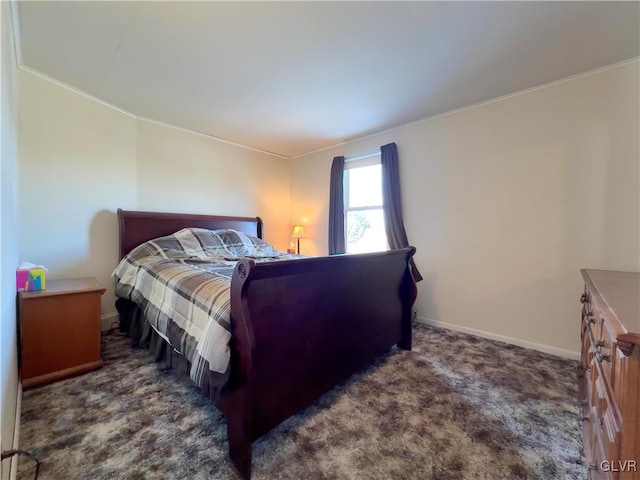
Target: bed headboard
138,227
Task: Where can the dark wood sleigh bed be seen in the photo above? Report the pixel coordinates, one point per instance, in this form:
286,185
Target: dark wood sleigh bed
298,327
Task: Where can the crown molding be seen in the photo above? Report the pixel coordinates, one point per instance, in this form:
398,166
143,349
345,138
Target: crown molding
502,98
211,137
18,53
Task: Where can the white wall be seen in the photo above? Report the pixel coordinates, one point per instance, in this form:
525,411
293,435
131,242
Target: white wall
8,236
184,172
506,202
80,160
77,166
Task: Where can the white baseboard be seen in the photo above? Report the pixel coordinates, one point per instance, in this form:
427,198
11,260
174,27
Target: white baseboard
13,466
107,320
559,352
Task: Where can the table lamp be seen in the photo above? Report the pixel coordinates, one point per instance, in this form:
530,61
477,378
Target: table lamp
297,232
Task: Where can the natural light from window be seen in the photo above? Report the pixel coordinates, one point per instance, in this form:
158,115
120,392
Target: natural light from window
364,219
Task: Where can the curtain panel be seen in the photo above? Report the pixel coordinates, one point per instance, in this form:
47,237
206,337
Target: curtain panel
336,207
394,225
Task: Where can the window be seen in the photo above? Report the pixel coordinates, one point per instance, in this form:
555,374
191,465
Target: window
363,216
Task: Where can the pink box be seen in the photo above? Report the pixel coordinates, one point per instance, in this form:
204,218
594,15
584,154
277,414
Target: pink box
30,279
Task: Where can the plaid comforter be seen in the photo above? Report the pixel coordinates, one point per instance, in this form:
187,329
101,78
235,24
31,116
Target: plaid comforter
182,284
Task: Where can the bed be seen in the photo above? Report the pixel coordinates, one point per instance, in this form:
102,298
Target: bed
298,327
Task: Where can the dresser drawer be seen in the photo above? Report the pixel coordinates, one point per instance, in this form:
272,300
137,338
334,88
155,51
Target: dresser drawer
606,349
589,332
590,313
588,348
610,433
606,410
603,443
598,456
603,343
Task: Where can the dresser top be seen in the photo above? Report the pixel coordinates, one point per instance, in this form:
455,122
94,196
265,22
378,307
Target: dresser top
620,291
66,287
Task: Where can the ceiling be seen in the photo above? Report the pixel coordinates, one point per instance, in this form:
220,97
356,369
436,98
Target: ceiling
294,77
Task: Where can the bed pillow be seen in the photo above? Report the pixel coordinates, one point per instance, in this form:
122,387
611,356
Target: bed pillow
240,244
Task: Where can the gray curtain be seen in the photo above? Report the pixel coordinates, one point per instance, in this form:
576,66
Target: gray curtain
394,225
336,207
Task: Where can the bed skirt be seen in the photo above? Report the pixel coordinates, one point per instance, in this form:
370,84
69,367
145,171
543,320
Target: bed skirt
135,325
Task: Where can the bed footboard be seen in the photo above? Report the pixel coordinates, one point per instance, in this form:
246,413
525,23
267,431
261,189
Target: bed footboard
300,327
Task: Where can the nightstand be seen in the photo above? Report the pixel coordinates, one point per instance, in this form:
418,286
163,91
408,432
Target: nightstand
60,330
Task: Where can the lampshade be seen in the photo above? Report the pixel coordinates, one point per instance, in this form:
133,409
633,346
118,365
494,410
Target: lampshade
297,231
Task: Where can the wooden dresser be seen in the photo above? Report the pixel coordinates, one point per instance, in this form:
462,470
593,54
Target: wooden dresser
609,374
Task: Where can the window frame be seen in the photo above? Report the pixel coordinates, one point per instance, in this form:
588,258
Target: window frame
352,164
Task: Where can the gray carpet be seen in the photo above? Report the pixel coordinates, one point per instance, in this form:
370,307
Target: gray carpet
456,407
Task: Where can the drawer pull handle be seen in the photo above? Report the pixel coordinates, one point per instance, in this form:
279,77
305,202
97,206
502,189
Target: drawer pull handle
589,319
584,298
585,418
600,343
593,466
601,357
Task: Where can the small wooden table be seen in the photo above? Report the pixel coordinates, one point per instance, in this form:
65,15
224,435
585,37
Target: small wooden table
60,330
